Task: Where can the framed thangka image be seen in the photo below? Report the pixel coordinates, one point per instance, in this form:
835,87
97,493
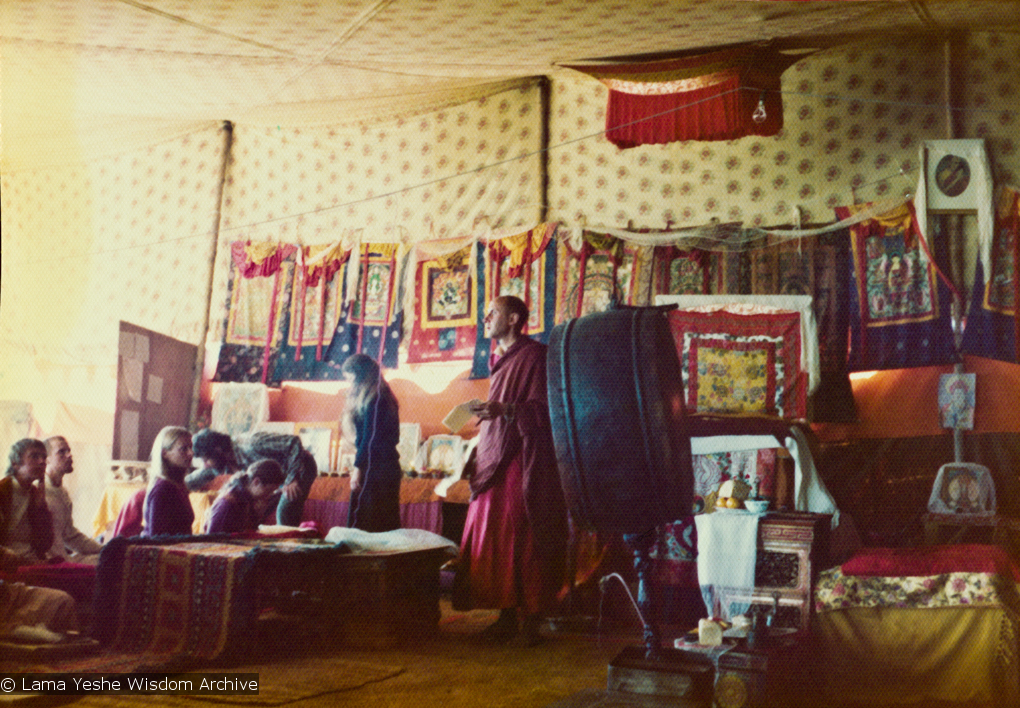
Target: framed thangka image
374,301
446,453
956,400
256,304
447,294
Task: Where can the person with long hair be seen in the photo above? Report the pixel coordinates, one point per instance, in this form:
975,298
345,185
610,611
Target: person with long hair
371,420
167,507
244,502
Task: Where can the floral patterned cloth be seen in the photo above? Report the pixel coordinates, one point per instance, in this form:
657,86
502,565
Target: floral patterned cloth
836,591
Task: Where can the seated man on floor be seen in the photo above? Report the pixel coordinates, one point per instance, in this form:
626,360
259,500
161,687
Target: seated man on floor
26,525
246,499
219,454
28,612
68,542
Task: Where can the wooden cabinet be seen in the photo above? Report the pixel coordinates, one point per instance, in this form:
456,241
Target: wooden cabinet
792,546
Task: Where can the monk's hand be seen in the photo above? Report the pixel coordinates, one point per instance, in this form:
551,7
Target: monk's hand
355,479
488,410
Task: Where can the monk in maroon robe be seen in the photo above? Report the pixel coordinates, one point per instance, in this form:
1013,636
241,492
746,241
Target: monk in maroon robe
514,545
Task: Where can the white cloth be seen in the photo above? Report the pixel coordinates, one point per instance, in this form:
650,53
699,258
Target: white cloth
727,553
398,541
65,536
809,491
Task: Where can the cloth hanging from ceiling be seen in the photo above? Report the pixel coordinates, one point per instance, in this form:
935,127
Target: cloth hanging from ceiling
259,286
316,303
899,313
603,272
444,326
523,265
704,97
993,321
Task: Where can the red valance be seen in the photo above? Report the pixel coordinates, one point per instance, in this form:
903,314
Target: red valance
704,97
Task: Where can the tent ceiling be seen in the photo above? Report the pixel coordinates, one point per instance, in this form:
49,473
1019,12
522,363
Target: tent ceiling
83,65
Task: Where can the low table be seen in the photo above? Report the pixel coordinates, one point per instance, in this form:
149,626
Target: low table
199,597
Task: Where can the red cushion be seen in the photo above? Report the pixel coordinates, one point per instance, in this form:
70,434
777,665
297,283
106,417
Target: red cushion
932,560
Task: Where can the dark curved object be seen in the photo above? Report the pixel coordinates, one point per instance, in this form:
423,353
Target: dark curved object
616,404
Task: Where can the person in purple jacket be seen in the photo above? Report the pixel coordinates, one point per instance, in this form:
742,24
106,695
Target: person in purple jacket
246,499
167,508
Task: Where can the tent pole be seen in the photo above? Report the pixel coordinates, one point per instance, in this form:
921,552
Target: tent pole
196,391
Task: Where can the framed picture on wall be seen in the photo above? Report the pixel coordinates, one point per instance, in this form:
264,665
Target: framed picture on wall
320,440
446,453
954,172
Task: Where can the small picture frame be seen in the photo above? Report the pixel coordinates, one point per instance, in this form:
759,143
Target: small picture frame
318,438
953,171
446,453
956,401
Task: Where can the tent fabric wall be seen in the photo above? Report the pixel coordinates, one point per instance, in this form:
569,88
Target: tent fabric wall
137,235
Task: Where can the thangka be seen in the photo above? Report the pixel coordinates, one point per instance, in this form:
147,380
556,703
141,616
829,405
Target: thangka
604,272
816,266
737,363
682,272
259,291
993,323
899,316
372,319
523,265
445,315
316,304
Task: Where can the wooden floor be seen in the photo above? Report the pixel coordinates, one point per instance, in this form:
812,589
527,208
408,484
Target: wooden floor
313,665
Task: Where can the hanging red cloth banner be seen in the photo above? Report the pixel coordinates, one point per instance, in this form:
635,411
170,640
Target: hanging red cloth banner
254,260
315,268
705,97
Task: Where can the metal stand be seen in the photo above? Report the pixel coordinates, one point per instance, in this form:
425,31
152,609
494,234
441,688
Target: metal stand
648,596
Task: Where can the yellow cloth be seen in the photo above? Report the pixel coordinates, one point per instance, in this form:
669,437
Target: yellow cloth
117,494
916,655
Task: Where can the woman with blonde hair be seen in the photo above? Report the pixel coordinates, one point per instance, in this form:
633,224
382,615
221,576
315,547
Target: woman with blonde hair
371,421
167,508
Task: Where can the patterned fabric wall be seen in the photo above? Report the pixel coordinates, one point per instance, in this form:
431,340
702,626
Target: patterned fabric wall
128,237
991,95
829,150
386,181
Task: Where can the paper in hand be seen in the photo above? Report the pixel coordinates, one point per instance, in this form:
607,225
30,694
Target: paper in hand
460,415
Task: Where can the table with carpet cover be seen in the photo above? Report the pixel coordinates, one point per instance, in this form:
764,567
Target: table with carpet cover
200,597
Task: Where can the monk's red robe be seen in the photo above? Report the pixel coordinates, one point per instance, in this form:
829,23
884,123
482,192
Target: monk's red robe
515,534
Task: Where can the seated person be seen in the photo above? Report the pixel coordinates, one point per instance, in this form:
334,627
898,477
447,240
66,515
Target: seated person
246,499
68,542
221,454
24,606
26,526
167,508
